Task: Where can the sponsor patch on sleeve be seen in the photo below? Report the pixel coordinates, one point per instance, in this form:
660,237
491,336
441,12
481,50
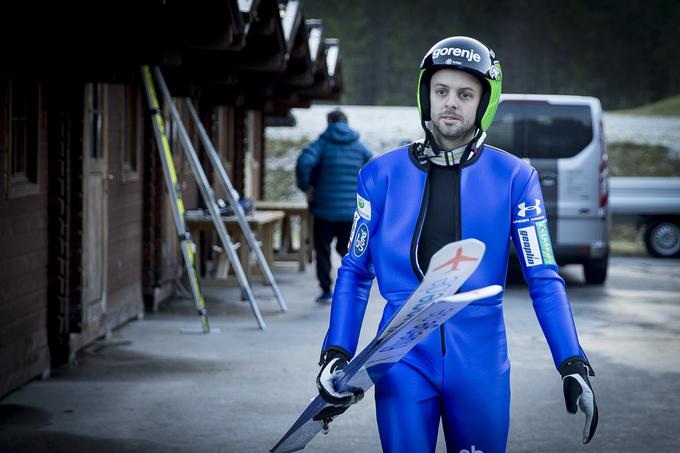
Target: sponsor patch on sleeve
361,241
544,242
530,247
527,212
363,207
532,210
351,233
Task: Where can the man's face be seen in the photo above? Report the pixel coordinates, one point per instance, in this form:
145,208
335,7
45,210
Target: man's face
454,97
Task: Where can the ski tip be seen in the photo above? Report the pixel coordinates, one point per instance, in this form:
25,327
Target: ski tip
490,290
475,294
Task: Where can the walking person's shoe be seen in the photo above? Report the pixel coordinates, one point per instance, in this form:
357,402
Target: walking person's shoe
325,298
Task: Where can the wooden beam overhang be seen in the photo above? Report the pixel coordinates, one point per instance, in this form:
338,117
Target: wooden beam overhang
334,63
265,49
202,23
328,83
244,14
292,21
253,77
63,36
316,47
300,69
248,10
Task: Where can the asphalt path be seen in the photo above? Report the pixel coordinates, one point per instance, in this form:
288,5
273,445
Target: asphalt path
150,388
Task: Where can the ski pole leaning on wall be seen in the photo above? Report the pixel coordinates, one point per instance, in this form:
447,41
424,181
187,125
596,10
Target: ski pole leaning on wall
176,204
208,195
232,197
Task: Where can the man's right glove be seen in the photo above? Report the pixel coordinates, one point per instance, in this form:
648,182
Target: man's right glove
578,393
332,361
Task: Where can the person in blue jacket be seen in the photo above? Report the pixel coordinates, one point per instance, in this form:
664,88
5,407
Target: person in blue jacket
327,171
411,202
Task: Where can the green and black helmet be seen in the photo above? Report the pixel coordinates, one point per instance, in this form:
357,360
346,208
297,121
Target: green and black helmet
465,54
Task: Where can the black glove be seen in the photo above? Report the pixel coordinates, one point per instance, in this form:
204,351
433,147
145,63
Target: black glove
332,361
578,393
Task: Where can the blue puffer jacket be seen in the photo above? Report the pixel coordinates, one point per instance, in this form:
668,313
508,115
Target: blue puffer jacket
331,165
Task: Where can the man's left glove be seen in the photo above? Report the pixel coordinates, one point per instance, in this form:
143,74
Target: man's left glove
332,361
578,393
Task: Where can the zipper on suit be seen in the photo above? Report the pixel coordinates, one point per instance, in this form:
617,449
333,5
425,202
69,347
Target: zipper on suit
419,227
457,230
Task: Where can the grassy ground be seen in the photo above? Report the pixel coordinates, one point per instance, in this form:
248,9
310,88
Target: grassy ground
635,159
626,240
665,107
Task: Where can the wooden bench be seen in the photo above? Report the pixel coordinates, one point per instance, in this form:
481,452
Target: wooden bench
261,222
286,252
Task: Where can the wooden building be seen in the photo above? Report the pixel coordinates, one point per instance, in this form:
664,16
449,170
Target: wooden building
86,235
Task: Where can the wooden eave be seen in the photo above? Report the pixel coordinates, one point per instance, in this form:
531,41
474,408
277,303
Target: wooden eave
227,69
202,23
322,88
316,46
291,21
300,69
225,76
248,9
78,36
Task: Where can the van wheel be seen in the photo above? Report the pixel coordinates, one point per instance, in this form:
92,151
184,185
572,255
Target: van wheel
595,271
662,238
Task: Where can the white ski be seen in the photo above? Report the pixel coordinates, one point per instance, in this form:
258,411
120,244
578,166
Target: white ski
430,305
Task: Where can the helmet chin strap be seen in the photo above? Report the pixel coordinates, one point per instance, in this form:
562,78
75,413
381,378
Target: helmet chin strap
425,153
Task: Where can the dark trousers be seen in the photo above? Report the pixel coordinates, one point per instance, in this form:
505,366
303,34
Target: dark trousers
324,232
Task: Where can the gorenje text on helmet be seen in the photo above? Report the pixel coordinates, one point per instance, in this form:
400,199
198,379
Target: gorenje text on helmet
470,54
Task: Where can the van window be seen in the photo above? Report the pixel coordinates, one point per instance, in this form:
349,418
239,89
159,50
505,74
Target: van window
540,130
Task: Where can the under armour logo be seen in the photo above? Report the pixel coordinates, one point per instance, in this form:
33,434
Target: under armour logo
523,208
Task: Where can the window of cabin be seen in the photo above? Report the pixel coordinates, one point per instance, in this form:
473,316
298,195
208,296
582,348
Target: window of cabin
22,126
95,123
131,136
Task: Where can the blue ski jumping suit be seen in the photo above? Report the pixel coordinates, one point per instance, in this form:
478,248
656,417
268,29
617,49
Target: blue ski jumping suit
460,372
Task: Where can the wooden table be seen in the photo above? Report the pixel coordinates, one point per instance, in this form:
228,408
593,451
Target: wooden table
261,222
293,209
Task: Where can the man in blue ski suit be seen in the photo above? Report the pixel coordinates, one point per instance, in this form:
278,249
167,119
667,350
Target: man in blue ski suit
411,202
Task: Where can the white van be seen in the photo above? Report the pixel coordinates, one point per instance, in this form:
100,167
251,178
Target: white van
563,138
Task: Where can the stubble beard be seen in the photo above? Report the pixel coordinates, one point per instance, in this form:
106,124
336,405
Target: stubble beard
452,134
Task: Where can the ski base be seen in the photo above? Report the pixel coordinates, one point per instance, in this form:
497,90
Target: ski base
376,360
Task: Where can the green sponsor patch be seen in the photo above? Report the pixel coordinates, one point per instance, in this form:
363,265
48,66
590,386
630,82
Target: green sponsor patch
544,242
